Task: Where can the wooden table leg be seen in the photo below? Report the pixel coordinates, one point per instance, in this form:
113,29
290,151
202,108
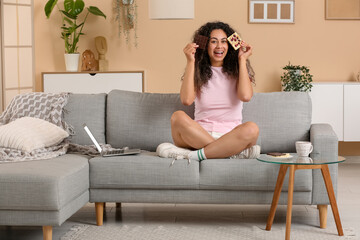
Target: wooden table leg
277,192
330,190
290,201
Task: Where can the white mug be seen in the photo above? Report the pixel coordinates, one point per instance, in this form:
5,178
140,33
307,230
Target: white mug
303,148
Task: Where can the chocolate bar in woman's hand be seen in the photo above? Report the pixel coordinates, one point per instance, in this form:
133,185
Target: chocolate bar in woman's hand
235,41
201,41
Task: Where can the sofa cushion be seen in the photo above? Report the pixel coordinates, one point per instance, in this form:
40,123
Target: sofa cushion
89,109
283,118
44,184
28,134
248,175
143,171
141,120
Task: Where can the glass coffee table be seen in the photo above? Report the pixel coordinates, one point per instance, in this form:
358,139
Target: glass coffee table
294,162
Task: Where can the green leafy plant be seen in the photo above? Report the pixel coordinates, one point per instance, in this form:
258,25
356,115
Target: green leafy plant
296,78
72,27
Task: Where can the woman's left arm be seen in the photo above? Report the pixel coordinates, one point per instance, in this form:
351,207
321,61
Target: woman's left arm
244,87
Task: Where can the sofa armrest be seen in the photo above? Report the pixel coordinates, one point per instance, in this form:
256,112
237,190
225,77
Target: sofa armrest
325,144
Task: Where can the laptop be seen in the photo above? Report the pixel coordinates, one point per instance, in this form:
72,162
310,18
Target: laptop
112,153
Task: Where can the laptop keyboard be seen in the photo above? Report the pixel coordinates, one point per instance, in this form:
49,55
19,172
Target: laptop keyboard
115,151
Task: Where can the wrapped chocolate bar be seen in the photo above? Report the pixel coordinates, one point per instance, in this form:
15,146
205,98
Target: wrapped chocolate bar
235,41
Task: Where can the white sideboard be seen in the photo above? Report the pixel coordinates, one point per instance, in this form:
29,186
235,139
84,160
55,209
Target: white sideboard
352,112
338,103
95,82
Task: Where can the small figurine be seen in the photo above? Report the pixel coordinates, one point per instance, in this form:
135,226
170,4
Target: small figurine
101,48
89,63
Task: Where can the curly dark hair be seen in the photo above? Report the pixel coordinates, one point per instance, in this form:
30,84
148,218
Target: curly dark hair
202,60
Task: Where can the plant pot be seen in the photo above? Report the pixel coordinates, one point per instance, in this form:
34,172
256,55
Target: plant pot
72,62
127,2
296,72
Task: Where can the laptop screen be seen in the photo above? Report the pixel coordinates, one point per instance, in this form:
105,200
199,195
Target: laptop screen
87,130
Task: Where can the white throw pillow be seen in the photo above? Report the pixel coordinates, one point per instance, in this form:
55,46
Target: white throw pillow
29,133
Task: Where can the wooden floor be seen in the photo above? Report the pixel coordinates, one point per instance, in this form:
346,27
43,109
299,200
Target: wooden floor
348,203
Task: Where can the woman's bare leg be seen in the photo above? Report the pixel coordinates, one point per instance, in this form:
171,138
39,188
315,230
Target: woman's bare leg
187,133
235,141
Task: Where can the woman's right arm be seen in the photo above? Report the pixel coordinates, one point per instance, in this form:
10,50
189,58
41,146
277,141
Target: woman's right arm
187,91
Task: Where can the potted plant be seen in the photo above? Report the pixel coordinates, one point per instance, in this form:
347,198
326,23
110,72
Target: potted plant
296,78
72,27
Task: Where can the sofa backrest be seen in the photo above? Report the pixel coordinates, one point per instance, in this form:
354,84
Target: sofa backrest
89,109
283,118
141,120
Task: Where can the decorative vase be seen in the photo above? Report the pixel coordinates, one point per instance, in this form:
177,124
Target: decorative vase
72,62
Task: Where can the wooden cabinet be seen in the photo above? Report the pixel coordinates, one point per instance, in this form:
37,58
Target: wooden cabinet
339,105
97,82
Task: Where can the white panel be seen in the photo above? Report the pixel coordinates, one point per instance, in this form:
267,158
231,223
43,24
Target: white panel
27,90
85,83
25,67
9,1
9,95
11,67
18,1
352,112
25,29
10,25
327,106
171,9
24,1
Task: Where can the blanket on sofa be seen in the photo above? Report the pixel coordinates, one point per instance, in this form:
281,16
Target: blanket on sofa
46,106
89,150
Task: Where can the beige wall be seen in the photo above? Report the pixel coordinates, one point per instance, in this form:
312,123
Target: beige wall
330,48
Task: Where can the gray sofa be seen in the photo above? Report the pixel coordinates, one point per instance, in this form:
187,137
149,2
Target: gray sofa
47,192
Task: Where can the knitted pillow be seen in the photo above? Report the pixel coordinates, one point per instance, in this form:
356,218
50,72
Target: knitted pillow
29,133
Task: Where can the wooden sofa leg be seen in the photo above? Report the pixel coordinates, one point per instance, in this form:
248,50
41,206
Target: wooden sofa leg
47,232
99,208
323,215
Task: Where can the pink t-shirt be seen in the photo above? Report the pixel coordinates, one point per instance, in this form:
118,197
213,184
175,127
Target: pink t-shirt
217,107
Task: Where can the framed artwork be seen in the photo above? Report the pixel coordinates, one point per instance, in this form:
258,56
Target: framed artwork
270,11
171,9
342,9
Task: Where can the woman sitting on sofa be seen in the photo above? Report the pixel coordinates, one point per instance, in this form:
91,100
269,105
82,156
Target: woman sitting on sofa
219,79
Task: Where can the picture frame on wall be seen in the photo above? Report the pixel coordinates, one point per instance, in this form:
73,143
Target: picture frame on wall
271,11
342,9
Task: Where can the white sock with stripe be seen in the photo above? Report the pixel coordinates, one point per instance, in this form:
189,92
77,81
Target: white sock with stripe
197,155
